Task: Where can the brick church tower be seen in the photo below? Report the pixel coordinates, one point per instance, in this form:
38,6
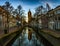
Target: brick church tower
29,16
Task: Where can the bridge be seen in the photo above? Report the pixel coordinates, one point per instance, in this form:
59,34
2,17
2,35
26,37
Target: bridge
46,39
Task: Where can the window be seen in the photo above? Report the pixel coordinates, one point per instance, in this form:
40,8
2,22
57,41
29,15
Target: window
58,11
0,17
55,12
58,18
55,18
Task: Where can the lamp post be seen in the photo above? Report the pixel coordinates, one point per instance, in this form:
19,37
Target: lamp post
18,23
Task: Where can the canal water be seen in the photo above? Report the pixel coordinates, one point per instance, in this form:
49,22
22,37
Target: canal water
23,40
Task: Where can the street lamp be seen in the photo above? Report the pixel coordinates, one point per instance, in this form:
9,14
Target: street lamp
18,23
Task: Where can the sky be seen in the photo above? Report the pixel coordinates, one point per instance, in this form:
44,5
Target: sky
31,4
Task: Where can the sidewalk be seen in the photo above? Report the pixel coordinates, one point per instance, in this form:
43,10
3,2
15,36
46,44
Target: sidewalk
10,30
50,36
1,32
53,33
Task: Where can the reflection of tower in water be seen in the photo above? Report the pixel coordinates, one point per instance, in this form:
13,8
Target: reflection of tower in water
29,34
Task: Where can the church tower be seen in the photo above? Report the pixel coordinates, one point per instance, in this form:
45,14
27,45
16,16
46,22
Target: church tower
29,16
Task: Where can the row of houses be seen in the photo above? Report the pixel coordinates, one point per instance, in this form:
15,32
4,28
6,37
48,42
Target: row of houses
6,19
54,18
50,20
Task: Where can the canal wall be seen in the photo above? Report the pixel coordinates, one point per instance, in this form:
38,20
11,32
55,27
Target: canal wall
8,39
43,39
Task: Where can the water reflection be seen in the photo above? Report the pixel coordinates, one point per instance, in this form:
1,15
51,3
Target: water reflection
24,41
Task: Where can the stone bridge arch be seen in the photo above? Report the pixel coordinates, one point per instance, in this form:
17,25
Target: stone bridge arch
29,26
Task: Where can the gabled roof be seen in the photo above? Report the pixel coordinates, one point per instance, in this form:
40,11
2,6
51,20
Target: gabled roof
58,7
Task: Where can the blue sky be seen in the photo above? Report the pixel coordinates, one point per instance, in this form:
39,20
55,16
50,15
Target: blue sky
31,4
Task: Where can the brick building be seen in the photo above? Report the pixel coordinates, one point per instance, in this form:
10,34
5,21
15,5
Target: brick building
54,18
6,18
29,16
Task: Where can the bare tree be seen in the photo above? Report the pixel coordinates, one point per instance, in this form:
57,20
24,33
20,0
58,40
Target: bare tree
19,8
7,6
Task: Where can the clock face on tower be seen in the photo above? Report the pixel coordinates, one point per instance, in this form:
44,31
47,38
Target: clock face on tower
29,13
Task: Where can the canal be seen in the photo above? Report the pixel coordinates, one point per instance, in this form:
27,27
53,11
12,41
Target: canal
27,38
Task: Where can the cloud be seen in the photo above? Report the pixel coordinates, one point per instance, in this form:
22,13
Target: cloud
31,4
52,3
